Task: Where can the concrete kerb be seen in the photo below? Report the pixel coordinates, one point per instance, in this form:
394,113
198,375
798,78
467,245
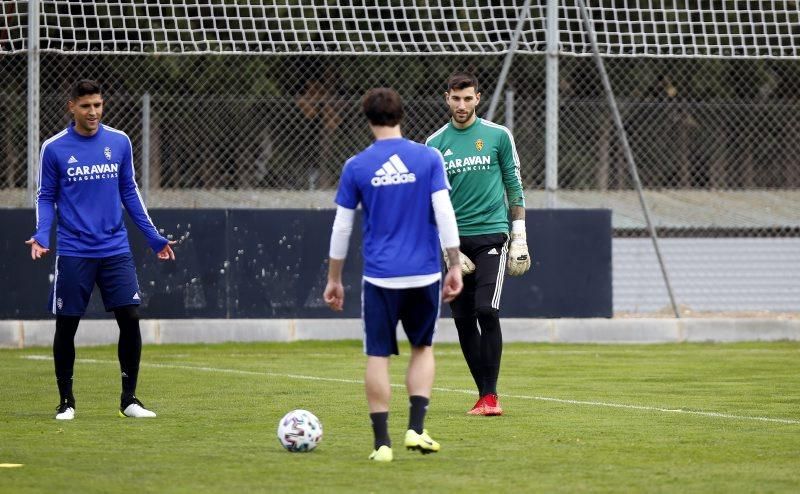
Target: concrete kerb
12,334
22,334
729,330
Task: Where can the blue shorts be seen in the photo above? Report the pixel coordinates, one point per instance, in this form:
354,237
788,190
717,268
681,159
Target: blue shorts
75,278
382,308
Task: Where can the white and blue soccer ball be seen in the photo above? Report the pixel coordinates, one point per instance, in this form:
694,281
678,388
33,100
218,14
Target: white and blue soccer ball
299,430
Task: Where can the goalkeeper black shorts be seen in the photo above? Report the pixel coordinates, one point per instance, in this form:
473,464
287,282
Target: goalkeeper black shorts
483,287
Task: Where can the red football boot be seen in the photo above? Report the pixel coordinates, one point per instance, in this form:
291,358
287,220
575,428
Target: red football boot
478,409
491,405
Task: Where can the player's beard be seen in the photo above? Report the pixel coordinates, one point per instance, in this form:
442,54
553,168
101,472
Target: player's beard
465,118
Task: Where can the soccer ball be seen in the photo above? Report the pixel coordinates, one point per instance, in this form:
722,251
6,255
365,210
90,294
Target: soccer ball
299,430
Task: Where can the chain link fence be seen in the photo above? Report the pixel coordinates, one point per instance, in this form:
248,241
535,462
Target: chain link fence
273,122
263,124
716,140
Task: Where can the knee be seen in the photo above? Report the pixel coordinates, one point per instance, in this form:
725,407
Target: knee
128,313
464,321
67,326
466,325
487,312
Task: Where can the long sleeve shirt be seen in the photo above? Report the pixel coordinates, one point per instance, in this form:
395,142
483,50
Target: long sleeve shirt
483,168
84,182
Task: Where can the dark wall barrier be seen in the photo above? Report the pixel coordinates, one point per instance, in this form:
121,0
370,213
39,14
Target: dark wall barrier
273,264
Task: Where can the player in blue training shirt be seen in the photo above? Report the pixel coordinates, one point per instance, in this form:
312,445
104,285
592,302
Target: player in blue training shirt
85,177
404,194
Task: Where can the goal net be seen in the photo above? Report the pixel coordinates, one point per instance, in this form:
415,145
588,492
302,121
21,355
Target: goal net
736,29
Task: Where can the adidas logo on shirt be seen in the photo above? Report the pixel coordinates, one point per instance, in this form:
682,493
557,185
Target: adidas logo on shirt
72,160
136,296
449,152
393,172
493,252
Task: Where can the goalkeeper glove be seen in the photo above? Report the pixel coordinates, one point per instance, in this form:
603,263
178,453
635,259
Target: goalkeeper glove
519,261
467,266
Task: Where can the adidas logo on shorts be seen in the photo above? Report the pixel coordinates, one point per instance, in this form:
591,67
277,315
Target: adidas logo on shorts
393,172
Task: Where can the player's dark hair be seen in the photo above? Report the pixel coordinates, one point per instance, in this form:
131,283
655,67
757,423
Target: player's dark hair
84,87
383,106
462,80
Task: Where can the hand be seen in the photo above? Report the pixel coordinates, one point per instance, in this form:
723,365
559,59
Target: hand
452,284
467,266
334,295
166,254
37,251
519,261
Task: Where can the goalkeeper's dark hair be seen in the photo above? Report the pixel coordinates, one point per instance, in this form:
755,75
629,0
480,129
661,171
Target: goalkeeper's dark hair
383,106
84,87
462,80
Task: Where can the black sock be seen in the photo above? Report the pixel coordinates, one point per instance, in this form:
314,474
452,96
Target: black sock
129,349
491,348
470,341
64,355
416,414
380,427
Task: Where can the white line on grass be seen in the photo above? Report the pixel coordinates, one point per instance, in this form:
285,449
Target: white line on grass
208,369
644,351
444,390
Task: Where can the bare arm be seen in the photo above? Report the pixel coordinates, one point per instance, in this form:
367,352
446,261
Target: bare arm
453,282
517,213
452,256
334,290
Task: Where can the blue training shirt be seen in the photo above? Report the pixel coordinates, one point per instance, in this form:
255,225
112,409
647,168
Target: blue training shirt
393,180
88,180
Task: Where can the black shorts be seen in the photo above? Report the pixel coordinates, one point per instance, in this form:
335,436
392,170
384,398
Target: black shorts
482,288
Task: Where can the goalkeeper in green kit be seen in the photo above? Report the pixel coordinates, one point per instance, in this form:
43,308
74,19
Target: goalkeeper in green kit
483,169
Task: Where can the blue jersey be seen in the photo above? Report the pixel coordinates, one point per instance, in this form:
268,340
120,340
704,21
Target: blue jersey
88,180
393,180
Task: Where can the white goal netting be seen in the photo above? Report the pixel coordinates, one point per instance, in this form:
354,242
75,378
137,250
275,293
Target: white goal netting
724,29
669,28
279,26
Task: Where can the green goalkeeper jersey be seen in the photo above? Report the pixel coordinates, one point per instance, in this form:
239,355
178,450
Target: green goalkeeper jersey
483,169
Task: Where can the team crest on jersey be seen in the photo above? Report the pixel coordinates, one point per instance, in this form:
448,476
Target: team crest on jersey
107,152
479,144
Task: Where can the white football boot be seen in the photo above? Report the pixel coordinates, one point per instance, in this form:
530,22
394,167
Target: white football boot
134,408
65,411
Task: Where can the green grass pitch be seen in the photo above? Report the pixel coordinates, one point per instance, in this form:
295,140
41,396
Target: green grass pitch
579,418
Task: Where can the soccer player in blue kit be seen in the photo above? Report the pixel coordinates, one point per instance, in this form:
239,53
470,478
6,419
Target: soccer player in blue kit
85,177
404,194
